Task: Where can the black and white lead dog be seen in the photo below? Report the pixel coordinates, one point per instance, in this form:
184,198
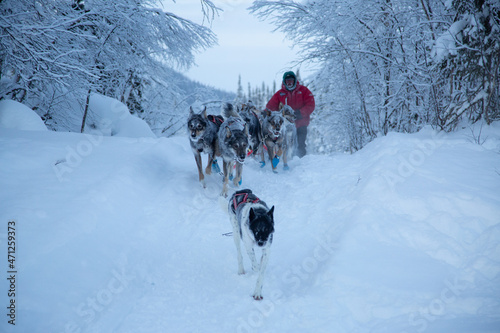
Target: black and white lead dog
253,223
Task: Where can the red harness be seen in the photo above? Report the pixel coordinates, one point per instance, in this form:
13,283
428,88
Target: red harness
244,200
217,120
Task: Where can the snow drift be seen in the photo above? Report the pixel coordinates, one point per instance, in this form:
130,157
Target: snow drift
111,117
18,116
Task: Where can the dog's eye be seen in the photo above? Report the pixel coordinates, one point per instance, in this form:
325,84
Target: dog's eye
199,127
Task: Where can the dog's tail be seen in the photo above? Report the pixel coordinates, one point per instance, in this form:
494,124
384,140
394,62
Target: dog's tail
229,111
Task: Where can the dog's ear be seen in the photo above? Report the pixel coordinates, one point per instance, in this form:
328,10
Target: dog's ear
228,132
245,129
204,112
191,112
271,211
270,214
281,106
252,214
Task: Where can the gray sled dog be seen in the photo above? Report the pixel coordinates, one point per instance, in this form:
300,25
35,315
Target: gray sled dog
203,131
290,129
253,223
273,134
232,145
249,113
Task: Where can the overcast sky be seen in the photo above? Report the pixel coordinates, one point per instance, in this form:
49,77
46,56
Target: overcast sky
247,47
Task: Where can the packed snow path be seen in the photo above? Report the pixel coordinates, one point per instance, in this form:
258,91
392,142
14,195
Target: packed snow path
117,235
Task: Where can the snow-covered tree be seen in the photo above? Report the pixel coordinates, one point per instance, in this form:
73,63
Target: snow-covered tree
69,49
467,55
383,66
366,52
240,95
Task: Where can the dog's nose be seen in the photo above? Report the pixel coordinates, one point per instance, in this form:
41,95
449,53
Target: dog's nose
260,243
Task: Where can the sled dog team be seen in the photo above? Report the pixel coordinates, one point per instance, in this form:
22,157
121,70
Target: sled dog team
234,136
238,133
241,133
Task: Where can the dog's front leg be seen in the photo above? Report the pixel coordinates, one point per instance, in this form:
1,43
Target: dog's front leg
257,295
208,169
251,253
262,156
239,172
279,147
227,168
201,176
271,151
236,237
285,154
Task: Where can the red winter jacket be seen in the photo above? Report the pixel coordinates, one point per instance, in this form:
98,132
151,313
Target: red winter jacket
300,98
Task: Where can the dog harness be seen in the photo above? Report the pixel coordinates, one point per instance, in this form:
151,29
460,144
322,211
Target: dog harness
217,120
243,197
236,121
255,115
273,139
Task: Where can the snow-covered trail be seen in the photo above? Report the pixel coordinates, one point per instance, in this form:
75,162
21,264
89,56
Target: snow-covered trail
117,235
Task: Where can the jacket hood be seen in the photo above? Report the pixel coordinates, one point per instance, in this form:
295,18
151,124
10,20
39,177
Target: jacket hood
289,74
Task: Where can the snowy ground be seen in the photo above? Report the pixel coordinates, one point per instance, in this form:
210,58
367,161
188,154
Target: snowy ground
116,235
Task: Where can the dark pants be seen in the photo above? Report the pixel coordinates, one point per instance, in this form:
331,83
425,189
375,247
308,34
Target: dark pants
301,141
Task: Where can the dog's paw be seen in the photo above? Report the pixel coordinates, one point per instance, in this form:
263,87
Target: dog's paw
215,167
262,164
275,161
237,182
258,297
286,167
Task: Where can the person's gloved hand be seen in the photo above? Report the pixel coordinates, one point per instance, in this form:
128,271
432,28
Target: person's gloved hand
298,115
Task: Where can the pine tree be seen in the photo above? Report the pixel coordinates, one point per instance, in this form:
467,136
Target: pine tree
240,96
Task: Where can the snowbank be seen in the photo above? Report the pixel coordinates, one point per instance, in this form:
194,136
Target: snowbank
110,117
107,117
15,115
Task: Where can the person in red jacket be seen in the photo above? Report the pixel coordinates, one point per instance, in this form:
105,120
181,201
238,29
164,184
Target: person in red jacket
301,100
